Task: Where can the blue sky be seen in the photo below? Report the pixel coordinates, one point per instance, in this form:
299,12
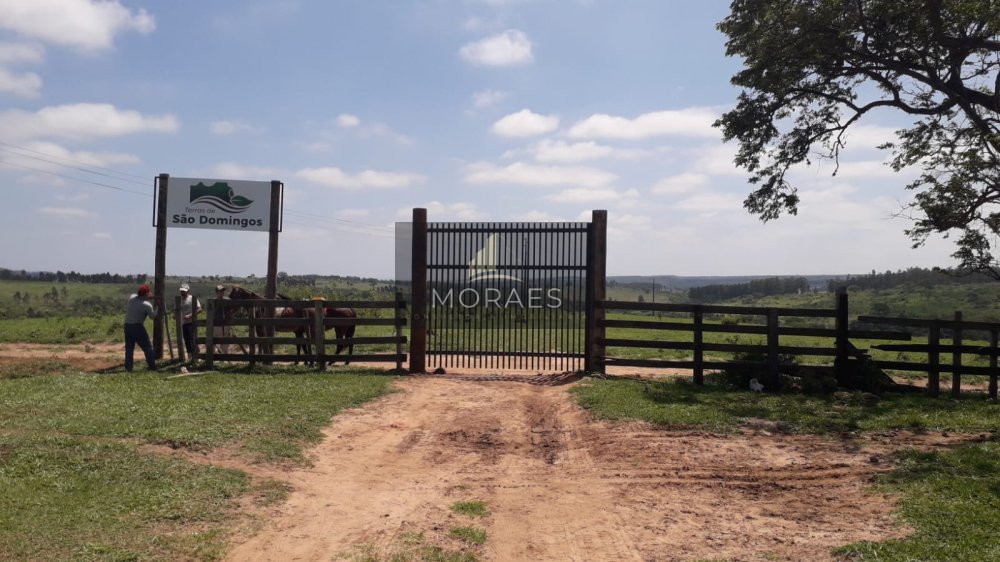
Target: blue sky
476,109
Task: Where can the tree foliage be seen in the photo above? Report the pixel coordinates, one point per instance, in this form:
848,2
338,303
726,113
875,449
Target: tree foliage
814,68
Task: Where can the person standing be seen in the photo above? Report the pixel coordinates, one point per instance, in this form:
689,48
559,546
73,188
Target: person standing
190,307
219,327
138,309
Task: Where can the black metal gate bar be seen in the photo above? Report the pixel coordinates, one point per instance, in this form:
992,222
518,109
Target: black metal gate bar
533,260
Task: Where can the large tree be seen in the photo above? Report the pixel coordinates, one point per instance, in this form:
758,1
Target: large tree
814,68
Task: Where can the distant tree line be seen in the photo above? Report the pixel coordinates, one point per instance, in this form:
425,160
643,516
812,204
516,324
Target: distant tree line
914,276
756,287
70,277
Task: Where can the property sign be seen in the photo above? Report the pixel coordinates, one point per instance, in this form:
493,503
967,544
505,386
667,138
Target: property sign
218,204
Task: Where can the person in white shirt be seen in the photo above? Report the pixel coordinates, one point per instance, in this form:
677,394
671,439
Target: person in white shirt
190,307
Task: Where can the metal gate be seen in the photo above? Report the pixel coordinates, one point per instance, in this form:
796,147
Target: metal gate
507,296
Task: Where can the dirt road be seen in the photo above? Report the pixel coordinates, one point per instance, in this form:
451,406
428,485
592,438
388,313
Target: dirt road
560,486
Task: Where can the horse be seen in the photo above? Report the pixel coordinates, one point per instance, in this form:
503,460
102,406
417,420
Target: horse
280,312
342,330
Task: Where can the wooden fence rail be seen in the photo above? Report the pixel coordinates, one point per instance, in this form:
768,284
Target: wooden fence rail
261,324
843,352
934,348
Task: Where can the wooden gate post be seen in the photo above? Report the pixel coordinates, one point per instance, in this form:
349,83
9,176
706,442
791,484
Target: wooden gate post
773,361
699,347
933,359
993,364
956,356
209,333
597,251
418,283
319,334
840,363
160,265
179,324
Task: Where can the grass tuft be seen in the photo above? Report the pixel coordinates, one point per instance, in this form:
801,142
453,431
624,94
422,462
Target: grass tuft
471,508
471,535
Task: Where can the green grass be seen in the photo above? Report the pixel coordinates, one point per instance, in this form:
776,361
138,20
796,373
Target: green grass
471,508
75,482
68,498
952,501
679,404
271,416
471,535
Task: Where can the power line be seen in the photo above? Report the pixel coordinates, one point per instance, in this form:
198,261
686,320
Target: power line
119,172
64,176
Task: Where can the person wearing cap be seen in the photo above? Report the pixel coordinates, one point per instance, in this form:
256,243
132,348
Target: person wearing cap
138,309
219,327
190,307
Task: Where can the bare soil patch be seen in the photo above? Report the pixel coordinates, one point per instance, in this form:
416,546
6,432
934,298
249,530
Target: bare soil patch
561,486
84,356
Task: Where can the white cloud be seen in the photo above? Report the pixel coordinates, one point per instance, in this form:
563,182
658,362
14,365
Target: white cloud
584,195
26,85
90,25
224,128
681,183
868,136
711,203
560,151
537,216
692,121
20,53
530,174
512,47
67,212
335,177
235,171
102,235
487,98
347,120
525,123
438,211
49,149
82,121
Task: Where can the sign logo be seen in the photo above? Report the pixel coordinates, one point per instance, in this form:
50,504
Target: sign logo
484,265
220,204
220,196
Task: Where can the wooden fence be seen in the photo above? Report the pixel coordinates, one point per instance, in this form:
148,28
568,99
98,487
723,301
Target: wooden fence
842,351
260,340
958,328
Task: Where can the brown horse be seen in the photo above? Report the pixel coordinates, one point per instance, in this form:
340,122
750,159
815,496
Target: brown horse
280,312
341,329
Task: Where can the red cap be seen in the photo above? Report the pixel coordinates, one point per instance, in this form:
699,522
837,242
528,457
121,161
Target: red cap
143,289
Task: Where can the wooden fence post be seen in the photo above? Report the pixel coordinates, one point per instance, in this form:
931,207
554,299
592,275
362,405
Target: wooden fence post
699,352
772,349
398,316
252,315
934,359
993,363
841,362
319,334
418,283
179,325
597,249
956,356
209,335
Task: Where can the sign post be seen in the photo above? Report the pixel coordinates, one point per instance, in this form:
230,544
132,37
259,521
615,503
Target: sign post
217,205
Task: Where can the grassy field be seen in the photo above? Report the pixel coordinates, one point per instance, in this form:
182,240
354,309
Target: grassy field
950,498
76,483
